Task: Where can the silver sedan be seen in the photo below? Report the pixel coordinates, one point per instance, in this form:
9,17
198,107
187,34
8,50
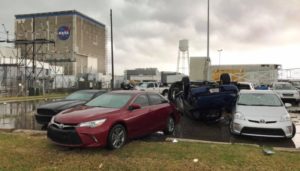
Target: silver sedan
261,113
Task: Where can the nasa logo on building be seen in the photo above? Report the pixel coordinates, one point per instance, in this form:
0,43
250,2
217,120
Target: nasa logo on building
63,32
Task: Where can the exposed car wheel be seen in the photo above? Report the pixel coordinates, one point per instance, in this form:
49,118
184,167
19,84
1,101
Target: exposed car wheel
185,86
165,93
170,126
294,131
225,78
117,137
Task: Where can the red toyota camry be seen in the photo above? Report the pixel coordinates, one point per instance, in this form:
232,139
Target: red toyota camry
111,118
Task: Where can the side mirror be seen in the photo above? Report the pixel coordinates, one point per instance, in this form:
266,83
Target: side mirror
287,104
134,107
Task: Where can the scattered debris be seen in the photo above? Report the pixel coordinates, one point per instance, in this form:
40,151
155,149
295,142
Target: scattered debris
175,140
268,150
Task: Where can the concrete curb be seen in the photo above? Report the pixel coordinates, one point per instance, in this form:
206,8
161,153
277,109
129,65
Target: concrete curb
170,139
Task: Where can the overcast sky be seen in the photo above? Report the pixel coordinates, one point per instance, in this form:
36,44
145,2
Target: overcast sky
146,32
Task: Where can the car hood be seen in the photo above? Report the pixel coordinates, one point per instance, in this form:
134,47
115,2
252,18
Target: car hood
61,104
262,112
84,114
286,91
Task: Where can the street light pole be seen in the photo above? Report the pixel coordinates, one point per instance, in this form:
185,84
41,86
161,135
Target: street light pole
207,29
220,50
112,51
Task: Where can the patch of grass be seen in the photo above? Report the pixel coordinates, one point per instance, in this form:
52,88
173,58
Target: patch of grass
26,152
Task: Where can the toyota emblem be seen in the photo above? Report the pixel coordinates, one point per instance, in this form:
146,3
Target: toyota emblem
61,126
262,121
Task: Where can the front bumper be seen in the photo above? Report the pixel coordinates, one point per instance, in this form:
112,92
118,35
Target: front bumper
77,136
273,130
42,119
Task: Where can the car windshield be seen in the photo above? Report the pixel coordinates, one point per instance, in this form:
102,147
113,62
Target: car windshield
259,99
110,100
80,95
283,87
143,85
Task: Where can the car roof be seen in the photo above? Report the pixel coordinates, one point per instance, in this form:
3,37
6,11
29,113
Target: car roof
257,92
281,83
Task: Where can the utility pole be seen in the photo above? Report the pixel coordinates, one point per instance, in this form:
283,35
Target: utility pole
33,50
112,51
207,28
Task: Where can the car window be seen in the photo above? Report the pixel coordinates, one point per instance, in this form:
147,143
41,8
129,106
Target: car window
98,94
244,87
259,99
283,87
141,100
110,100
156,99
150,85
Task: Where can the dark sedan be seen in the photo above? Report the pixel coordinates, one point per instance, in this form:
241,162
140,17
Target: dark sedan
46,111
111,118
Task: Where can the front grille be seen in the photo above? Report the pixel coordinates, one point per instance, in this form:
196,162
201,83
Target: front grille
267,122
66,135
253,121
289,95
263,131
46,112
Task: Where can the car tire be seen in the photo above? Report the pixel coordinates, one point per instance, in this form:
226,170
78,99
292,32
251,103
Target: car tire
185,86
225,78
165,93
170,127
294,131
116,137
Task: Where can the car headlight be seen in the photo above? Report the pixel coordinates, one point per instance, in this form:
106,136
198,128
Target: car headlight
92,124
239,116
285,118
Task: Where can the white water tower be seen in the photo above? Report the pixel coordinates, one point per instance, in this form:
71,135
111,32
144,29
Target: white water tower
183,57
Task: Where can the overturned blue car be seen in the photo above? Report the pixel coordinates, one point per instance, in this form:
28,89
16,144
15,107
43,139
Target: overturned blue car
204,100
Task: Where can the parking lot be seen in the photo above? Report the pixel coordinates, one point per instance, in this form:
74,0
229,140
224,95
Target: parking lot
219,132
20,116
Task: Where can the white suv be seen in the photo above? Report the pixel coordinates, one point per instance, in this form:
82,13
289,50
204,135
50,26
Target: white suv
286,92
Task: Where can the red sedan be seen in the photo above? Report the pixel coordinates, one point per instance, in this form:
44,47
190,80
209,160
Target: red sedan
111,118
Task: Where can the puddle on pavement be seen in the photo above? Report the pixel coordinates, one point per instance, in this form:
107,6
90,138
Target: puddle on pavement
219,131
19,115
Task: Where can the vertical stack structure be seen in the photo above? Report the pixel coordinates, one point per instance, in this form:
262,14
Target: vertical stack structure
183,58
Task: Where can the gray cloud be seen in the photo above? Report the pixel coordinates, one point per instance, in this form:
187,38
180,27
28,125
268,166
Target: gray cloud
147,32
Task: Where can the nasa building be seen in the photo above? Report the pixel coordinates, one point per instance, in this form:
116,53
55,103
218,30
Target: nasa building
66,38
